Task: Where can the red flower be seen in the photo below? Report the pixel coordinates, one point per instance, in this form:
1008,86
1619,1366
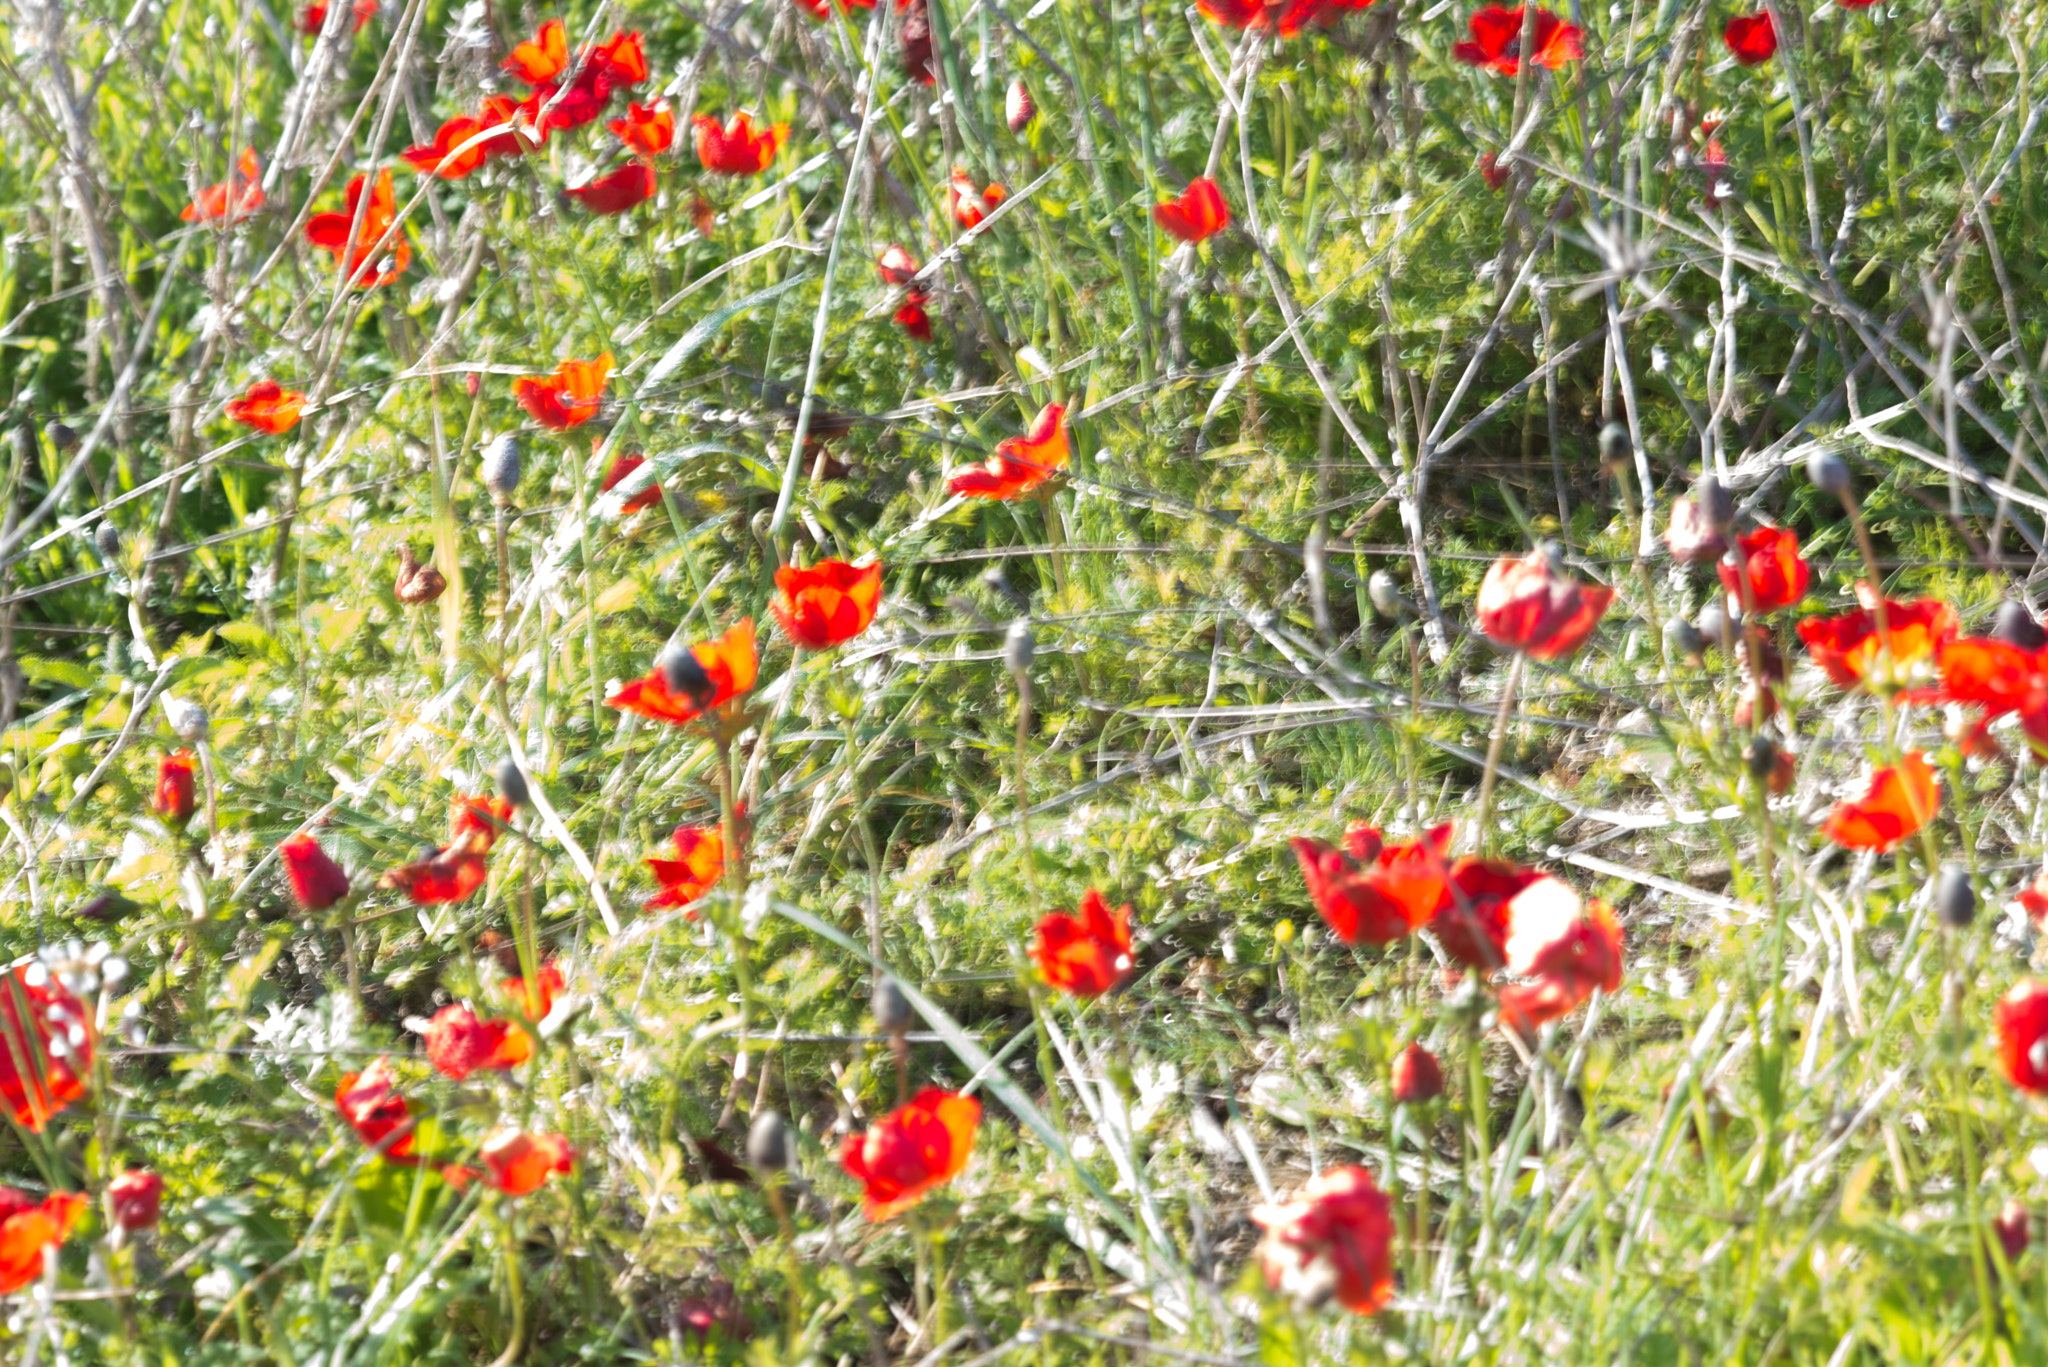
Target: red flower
1857,4
1713,168
174,799
544,57
1752,38
571,399
2021,1017
138,1196
1085,954
620,60
317,881
523,134
917,41
548,984
729,665
447,875
1020,464
827,604
819,9
365,258
46,1045
913,319
1473,925
1376,893
969,206
1995,675
2010,1225
1527,605
268,407
458,1043
1777,572
696,869
235,198
478,820
1198,213
622,466
27,1227
1334,1238
1850,650
617,192
1569,948
1418,1077
517,1163
314,19
447,156
916,1147
737,148
1899,801
1287,17
1497,41
1494,174
370,1103
896,265
647,129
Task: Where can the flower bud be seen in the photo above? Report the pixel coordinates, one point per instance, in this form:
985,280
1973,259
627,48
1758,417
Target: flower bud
768,1142
2010,1225
416,583
1615,446
2016,626
188,719
1829,472
1719,625
891,1007
1387,599
1017,106
1716,504
1019,645
138,1198
107,537
1955,901
1684,640
1762,757
471,383
62,438
500,468
512,783
1418,1077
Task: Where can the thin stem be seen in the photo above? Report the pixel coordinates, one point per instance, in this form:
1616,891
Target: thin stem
1500,732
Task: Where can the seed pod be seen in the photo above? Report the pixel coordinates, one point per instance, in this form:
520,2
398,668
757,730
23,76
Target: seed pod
1019,645
107,537
25,452
188,719
1684,639
2016,626
416,583
1719,625
891,1007
1955,901
685,676
1615,446
768,1142
1418,1077
1715,503
62,437
500,468
1017,106
1762,757
1387,599
1829,472
512,783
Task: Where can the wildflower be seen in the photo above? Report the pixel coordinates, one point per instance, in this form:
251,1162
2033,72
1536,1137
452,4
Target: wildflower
917,41
617,191
523,132
1712,165
314,18
548,984
1199,212
1334,1240
1372,892
1088,953
696,869
1569,948
648,130
517,1163
1497,41
1529,605
1473,924
913,319
819,9
2021,1019
479,820
1493,173
1850,649
1692,536
827,604
896,266
1751,38
620,60
447,156
1018,109
27,1227
570,399
268,407
1899,801
1286,17
1995,675
2010,1225
623,465
458,1043
968,206
234,199
174,798
370,1103
1418,1076
449,874
372,258
727,666
542,58
916,1147
415,583
737,148
46,1045
138,1196
317,881
1020,464
1776,572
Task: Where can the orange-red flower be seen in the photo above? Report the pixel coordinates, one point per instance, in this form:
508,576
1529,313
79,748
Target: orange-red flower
570,399
1199,212
517,1163
449,874
1777,573
1020,464
623,465
820,9
1286,17
1085,954
314,18
1527,605
174,798
647,129
458,1043
1852,652
548,984
268,407
1473,924
479,820
46,1045
913,319
896,265
920,1145
525,131
138,1197
1751,38
2021,1018
370,1103
1418,1076
728,665
27,1227
1493,173
1569,948
828,603
969,206
1995,675
317,881
543,57
235,198
737,148
1899,801
371,258
1497,41
696,869
1335,1238
617,191
1373,892
447,156
620,59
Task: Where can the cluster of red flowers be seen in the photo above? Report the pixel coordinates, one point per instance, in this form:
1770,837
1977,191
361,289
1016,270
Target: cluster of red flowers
452,872
1020,465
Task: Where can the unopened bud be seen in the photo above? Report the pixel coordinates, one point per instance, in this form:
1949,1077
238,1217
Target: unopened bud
1955,901
471,383
501,466
188,719
1829,472
1684,639
2016,626
1715,503
1418,1077
1615,446
891,1007
1719,625
768,1142
1762,757
61,437
1018,108
107,537
1387,598
1019,645
512,783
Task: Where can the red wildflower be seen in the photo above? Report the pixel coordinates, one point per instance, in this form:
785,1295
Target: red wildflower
371,259
1473,925
696,869
1199,212
1857,4
1751,38
46,1045
620,59
1020,464
447,875
542,58
2021,1018
2010,1225
1528,605
1088,953
827,604
1995,675
618,191
1286,17
370,1103
317,881
1497,41
737,148
235,198
314,17
647,129
27,1227
820,9
175,789
969,206
548,984
447,156
268,407
913,319
1569,948
1418,1076
1713,168
623,465
1853,654
517,1163
1335,1238
1777,572
479,820
917,41
138,1196
1376,893
570,399
896,265
522,134
728,663
916,1147
458,1043
1493,173
1899,801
